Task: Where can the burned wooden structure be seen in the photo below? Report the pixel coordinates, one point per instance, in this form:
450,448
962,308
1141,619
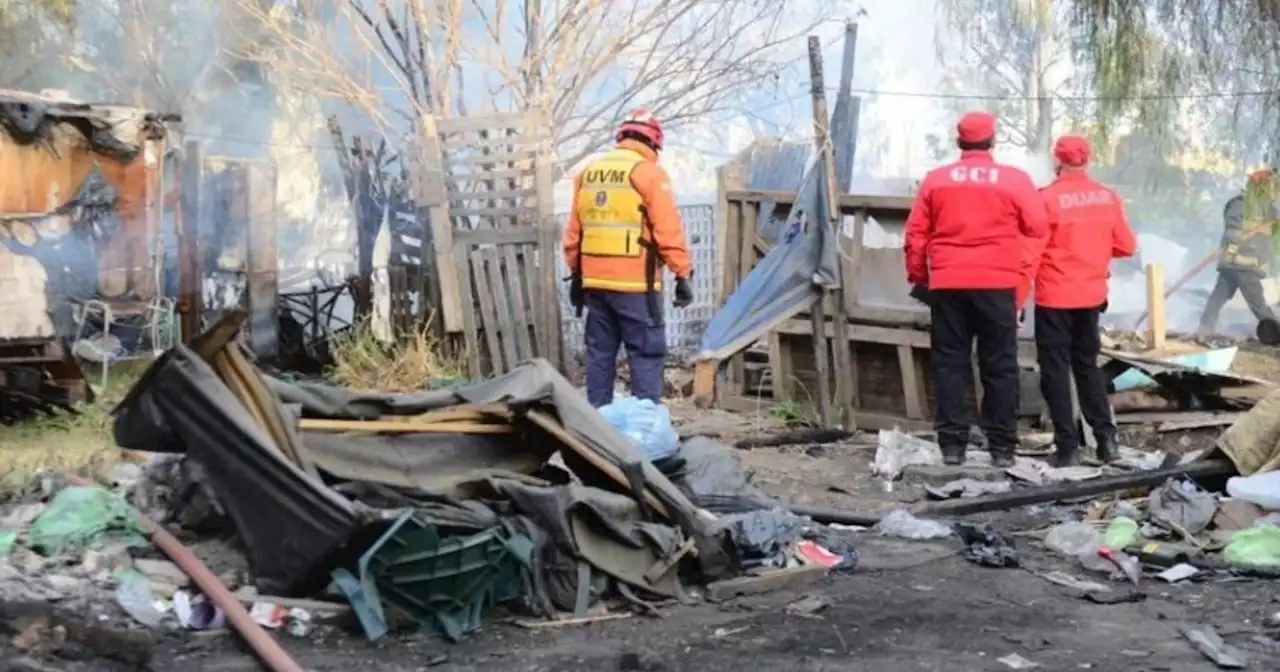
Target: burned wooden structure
469,210
80,206
886,382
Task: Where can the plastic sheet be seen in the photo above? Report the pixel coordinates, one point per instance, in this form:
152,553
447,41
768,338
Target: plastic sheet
646,424
714,479
83,517
763,538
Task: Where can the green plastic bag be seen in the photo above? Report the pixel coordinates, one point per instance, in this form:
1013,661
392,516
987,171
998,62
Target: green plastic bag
84,517
1256,548
8,539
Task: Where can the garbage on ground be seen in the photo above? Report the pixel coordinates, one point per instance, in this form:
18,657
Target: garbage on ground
967,487
1255,548
196,613
900,523
897,450
1208,642
984,546
1015,661
134,595
1260,489
647,424
1179,572
84,517
1182,503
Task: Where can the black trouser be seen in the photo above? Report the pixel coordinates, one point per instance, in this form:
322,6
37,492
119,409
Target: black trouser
1067,344
1248,283
959,315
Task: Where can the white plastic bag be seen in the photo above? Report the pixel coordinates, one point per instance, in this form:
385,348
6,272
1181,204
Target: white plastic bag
896,451
900,523
1261,489
647,424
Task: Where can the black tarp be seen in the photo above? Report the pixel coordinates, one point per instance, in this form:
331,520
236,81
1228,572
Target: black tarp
290,525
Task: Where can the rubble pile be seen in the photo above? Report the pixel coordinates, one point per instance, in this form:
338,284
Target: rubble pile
426,511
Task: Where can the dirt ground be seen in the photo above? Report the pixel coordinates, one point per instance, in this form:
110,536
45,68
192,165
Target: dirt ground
912,606
909,605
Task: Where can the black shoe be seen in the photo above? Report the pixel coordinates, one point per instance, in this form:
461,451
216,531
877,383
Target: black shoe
1002,458
1108,449
953,455
1066,457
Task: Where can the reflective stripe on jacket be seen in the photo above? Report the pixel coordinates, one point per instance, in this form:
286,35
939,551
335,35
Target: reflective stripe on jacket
607,240
1246,237
1087,229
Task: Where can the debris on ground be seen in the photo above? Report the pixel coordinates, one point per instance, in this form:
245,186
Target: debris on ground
1207,641
900,523
984,546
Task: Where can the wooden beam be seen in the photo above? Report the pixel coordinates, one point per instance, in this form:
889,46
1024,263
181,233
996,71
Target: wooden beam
829,192
1155,307
704,383
551,338
433,195
780,366
849,203
190,261
912,392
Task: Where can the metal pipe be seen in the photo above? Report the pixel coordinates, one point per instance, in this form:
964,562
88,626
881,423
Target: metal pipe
269,651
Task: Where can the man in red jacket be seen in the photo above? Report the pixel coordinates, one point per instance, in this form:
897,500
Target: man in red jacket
1088,229
965,242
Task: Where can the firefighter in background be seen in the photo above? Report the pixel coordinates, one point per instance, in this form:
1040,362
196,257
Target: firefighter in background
623,229
965,242
1246,251
1087,229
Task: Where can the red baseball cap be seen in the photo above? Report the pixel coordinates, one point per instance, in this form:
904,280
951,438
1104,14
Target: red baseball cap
1072,150
976,127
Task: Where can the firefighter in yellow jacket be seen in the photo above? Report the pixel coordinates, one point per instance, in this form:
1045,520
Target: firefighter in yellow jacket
623,229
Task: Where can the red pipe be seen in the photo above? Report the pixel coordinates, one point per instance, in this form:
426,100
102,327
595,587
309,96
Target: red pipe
269,651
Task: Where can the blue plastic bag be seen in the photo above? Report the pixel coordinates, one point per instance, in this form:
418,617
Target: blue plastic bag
647,424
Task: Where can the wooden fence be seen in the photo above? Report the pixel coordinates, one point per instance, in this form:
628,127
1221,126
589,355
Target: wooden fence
487,185
886,382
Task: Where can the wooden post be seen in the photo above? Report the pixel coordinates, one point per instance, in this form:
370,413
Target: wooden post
1155,306
704,382
549,242
829,221
262,261
434,197
190,264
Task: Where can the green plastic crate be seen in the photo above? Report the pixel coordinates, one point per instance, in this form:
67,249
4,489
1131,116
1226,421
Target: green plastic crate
445,584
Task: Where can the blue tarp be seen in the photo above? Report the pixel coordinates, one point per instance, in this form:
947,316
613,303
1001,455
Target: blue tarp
784,283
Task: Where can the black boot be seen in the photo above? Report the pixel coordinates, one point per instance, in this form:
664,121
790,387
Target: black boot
1002,458
953,455
1066,456
1108,449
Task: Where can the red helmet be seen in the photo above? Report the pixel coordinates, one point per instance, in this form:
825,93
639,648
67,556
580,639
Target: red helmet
642,124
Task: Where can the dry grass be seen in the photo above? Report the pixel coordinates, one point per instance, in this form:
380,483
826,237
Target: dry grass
414,362
78,443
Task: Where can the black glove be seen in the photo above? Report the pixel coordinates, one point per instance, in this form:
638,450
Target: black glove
684,293
920,293
575,293
1105,305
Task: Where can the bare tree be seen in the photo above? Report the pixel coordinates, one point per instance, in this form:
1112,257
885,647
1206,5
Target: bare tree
581,64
